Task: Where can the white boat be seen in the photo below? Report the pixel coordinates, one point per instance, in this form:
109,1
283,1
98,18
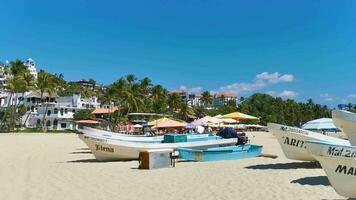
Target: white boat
347,122
339,164
131,138
111,150
292,141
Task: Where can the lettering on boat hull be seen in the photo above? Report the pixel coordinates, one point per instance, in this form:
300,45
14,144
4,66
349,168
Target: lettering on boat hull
343,169
294,130
105,149
294,142
341,152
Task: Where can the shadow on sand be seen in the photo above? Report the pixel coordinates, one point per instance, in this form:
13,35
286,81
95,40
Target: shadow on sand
81,152
96,161
84,149
286,166
313,181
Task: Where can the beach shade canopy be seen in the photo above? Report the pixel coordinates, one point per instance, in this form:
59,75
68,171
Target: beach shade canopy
155,122
170,124
240,116
229,121
206,121
87,121
320,125
218,116
137,126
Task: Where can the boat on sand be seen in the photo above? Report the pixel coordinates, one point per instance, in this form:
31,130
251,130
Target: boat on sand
293,141
220,153
111,150
347,122
339,164
134,138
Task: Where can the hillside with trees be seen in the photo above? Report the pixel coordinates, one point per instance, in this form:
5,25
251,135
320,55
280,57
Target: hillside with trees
131,94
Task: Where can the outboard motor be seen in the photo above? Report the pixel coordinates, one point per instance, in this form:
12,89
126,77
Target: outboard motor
228,133
242,139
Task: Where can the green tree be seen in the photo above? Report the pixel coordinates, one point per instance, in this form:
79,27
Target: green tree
174,102
45,84
206,98
83,114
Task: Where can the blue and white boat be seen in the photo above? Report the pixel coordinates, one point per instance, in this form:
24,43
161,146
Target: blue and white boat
137,138
220,153
111,150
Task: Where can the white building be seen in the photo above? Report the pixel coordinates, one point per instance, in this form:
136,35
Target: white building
192,99
222,99
55,117
3,77
60,110
31,67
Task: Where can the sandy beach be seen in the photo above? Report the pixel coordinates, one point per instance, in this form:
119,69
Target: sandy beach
59,166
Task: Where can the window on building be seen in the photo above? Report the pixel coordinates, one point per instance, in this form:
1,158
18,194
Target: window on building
48,123
48,112
66,111
62,111
55,111
55,122
63,125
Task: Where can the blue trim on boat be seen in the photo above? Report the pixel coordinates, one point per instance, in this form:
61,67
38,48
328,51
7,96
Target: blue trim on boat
220,153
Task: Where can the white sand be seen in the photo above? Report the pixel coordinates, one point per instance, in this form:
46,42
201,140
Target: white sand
59,166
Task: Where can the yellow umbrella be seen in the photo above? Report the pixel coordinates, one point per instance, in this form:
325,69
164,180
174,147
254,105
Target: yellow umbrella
155,122
240,116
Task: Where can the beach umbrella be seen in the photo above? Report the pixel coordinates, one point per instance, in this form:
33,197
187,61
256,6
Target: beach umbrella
154,122
170,124
206,121
137,126
87,121
240,116
320,124
229,121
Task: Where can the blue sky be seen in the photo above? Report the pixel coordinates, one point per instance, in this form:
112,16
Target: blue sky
297,49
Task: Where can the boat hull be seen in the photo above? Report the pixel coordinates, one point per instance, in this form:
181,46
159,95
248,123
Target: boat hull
223,153
135,138
346,121
109,150
339,164
293,141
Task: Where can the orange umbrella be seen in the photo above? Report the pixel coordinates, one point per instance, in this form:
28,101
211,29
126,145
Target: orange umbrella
240,116
169,124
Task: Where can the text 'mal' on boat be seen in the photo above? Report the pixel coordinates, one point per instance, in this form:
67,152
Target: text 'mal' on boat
293,141
339,164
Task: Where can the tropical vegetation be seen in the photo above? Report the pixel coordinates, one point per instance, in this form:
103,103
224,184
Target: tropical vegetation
131,94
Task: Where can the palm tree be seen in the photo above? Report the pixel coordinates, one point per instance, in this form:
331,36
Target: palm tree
185,111
159,99
30,84
45,84
206,98
17,67
174,102
131,78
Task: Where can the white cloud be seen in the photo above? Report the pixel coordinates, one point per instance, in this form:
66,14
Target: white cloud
272,93
326,97
352,96
261,80
288,94
197,89
274,77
